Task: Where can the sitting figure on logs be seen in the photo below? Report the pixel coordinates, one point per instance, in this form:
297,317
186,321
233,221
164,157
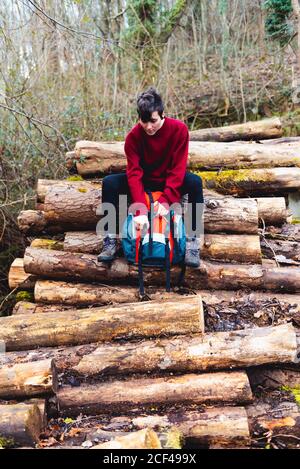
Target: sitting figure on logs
156,150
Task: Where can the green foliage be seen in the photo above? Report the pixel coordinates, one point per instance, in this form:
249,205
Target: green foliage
150,26
24,295
295,392
75,177
277,22
150,22
6,442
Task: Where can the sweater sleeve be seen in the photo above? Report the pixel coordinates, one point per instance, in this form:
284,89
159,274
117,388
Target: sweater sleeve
176,172
135,173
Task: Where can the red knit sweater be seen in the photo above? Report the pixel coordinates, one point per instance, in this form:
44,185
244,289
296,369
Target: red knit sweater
166,151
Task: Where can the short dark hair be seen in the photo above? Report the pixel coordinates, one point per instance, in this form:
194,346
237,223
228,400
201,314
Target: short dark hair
147,102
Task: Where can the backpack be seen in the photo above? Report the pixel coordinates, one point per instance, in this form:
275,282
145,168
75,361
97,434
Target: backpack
162,246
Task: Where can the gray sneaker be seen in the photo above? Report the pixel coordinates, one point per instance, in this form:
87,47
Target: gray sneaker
192,252
109,249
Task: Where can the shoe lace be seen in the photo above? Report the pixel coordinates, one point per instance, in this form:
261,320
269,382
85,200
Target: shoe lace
106,242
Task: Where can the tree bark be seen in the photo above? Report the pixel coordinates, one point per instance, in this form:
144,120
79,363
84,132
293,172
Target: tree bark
118,396
104,158
142,439
28,379
287,140
44,185
32,222
20,422
213,351
26,307
61,295
243,249
219,425
285,279
63,205
184,354
81,294
71,266
18,278
83,241
272,210
221,215
100,157
146,319
264,129
227,214
252,181
231,216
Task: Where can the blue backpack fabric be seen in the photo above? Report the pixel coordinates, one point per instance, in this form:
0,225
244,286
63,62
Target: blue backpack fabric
162,246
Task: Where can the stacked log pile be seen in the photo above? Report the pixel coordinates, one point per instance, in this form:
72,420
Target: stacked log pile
176,364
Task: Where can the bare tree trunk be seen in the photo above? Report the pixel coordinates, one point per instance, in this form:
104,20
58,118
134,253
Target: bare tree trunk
296,84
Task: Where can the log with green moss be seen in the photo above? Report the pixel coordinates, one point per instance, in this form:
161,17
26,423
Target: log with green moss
45,243
252,181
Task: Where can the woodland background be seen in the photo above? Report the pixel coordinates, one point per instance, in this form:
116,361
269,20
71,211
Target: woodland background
72,69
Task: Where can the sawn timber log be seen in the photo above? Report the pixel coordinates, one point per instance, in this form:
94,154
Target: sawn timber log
105,158
71,266
257,130
131,320
61,295
221,387
210,352
22,423
243,249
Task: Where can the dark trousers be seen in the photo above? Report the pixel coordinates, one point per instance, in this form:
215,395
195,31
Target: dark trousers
117,184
